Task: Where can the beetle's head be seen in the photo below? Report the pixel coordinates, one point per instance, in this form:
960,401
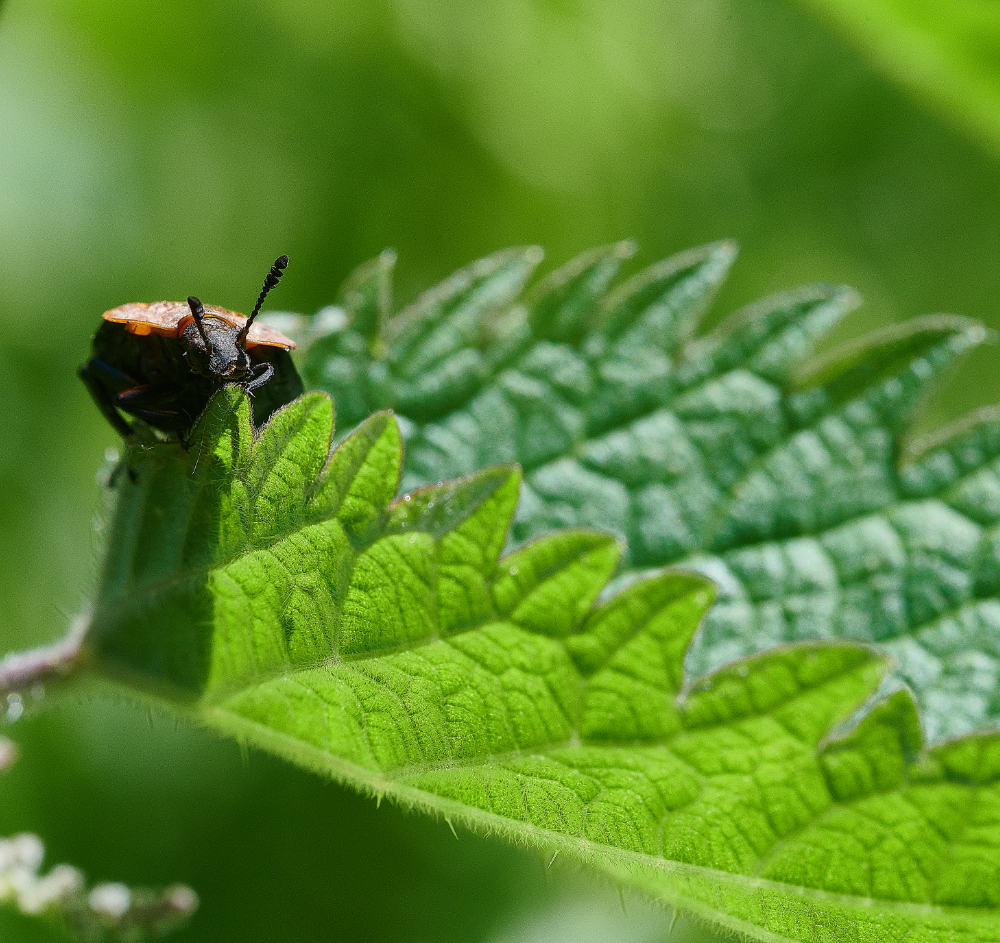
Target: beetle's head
211,346
216,348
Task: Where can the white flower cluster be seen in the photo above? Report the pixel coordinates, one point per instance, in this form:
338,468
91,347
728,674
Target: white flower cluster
63,890
109,908
21,882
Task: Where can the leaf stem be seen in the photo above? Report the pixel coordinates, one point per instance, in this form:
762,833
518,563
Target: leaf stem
55,661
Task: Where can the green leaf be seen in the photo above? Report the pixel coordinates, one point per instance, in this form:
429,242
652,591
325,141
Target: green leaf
790,484
275,591
429,357
944,53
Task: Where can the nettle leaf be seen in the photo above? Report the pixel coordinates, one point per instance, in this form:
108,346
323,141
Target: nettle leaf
276,591
791,485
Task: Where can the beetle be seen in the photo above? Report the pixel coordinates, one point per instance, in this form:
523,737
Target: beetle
162,362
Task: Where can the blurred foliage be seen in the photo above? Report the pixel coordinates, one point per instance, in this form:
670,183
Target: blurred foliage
945,53
154,150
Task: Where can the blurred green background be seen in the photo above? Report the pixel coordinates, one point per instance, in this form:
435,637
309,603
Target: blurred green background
153,149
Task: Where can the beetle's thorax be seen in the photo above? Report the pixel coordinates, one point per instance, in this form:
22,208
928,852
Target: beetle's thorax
223,360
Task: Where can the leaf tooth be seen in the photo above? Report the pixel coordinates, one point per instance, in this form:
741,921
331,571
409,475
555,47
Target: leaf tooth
225,422
891,369
808,688
669,605
444,508
366,295
441,543
562,304
449,317
957,458
771,336
874,755
661,305
288,457
184,524
361,477
549,585
468,553
390,599
837,459
631,650
971,759
451,381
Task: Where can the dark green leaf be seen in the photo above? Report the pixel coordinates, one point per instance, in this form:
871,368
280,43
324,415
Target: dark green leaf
788,483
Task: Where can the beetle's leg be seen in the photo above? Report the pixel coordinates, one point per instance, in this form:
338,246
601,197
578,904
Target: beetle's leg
135,394
151,415
128,396
111,378
264,372
148,415
133,400
91,374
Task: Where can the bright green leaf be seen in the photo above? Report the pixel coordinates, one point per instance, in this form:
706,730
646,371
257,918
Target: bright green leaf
276,591
790,484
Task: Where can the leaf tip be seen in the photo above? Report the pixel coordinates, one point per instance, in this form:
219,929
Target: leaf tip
625,249
871,751
534,255
723,250
838,677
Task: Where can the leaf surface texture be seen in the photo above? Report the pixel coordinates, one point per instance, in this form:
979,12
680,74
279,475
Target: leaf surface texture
277,591
789,481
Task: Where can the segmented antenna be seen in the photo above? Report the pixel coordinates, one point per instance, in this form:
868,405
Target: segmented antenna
270,280
198,311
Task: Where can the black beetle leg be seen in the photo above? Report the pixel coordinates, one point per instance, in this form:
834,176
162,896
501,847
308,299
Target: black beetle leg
264,373
90,373
132,400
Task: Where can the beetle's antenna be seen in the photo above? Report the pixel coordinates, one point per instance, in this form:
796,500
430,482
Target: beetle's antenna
270,280
198,310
